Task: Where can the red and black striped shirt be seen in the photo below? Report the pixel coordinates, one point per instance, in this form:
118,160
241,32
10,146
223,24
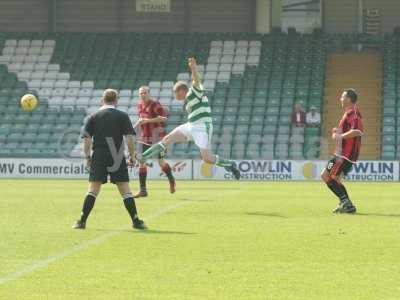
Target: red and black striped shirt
349,149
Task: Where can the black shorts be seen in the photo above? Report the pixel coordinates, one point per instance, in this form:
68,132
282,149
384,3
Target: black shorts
143,147
103,166
338,166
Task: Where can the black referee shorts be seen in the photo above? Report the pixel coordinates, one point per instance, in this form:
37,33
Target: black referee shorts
338,166
101,168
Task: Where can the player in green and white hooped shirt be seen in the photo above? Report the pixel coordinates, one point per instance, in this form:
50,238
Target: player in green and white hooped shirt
199,126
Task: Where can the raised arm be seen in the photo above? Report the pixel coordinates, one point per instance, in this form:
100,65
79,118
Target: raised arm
196,81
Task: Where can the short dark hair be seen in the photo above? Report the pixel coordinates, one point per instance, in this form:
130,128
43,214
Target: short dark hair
110,96
352,94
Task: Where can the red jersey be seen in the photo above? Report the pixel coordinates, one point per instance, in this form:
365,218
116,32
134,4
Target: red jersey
151,133
349,149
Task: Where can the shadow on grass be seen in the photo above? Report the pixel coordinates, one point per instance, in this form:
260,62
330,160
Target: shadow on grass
264,214
149,231
196,200
378,215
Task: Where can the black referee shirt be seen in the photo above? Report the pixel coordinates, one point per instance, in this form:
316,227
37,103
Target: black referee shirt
107,124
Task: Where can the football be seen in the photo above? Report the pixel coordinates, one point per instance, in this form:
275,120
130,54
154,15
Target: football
29,102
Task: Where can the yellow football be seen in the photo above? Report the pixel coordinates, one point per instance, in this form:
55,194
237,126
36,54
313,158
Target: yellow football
29,102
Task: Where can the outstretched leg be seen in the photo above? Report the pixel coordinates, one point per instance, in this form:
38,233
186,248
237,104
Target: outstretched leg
229,165
160,148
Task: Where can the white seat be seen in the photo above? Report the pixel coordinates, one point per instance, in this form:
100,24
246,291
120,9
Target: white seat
63,76
18,58
14,67
166,93
229,51
165,100
49,43
154,84
5,59
229,45
24,43
85,93
74,84
155,92
41,66
61,84
36,43
24,76
11,43
83,101
227,59
255,51
56,100
240,59
59,91
214,59
47,51
34,84
183,76
87,84
44,58
47,84
224,77
45,92
72,92
124,102
38,75
97,93
132,110
125,93
34,50
238,68
28,67
53,67
212,67
168,84
9,50
225,68
21,50
242,43
210,76
51,75
253,60
215,51
209,85
31,58
215,44
69,101
242,51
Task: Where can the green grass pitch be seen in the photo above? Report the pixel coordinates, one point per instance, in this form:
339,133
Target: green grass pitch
211,240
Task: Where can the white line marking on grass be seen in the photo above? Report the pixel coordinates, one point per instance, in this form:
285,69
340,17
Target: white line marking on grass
96,241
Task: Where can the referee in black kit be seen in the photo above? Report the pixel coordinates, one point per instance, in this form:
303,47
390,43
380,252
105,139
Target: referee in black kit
104,131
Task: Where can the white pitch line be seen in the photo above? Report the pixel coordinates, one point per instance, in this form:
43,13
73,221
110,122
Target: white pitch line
96,241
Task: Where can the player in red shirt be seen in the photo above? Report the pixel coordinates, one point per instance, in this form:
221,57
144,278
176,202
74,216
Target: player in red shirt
150,130
348,144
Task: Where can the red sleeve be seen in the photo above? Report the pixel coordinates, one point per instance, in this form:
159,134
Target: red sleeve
159,110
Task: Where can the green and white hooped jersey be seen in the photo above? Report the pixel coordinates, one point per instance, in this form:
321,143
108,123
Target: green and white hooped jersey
197,106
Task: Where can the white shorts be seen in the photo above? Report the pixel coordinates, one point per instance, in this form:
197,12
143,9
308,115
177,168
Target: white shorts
199,133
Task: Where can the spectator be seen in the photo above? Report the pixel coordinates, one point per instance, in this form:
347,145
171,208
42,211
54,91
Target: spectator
298,115
313,117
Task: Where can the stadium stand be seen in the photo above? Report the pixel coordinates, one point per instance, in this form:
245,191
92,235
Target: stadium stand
391,92
252,82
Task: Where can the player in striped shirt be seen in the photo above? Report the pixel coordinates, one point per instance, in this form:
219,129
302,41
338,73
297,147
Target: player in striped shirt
199,127
348,145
